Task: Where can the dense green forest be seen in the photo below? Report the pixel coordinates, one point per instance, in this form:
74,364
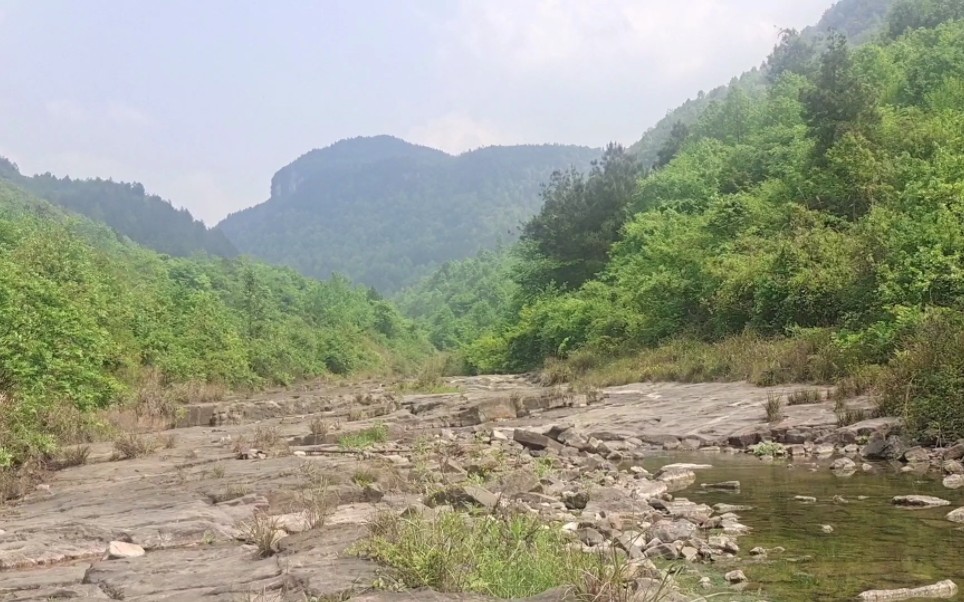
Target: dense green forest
859,20
385,212
813,230
146,219
88,319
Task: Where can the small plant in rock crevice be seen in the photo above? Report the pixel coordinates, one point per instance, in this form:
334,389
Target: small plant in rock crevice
773,407
263,531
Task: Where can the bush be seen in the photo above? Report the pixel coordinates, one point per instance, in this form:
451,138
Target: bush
514,557
924,382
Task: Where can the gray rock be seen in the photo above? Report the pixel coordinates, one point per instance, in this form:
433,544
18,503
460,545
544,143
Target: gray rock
954,452
590,537
954,481
123,549
575,500
669,531
843,465
916,454
533,440
879,448
942,590
724,485
919,501
956,516
806,499
463,495
735,577
826,528
952,467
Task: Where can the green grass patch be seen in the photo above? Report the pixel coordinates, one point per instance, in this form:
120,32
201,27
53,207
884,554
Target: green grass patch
510,557
365,438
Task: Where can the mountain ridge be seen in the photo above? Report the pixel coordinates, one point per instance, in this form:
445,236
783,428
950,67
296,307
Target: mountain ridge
384,211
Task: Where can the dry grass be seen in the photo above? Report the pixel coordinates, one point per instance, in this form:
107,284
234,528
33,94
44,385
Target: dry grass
773,407
67,457
804,397
263,531
847,415
761,361
319,427
129,446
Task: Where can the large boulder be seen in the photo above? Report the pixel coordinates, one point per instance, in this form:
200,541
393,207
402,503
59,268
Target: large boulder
881,448
668,531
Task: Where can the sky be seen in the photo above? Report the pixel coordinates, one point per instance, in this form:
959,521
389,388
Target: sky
202,101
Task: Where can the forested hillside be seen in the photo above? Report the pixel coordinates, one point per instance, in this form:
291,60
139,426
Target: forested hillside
858,20
812,232
88,320
146,219
385,212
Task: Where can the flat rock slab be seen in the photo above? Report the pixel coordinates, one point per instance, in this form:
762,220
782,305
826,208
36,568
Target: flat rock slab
919,501
941,590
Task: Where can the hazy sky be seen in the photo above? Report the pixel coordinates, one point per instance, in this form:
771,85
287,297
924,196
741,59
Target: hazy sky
203,100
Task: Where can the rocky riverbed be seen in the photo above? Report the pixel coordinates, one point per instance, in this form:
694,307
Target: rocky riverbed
177,519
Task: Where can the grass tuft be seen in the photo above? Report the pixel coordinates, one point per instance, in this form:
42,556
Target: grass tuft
129,445
773,407
505,557
365,438
262,531
804,397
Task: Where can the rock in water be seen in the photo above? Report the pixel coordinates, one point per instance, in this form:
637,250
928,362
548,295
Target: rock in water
941,590
954,481
122,549
919,501
956,516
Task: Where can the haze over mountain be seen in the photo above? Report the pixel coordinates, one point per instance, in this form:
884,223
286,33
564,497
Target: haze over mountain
385,212
146,219
222,96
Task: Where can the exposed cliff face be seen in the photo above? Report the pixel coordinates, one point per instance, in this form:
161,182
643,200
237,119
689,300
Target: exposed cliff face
385,212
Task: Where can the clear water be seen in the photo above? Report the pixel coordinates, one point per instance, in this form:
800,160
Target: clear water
874,545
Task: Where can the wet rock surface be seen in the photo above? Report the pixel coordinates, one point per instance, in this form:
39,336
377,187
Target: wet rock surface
176,524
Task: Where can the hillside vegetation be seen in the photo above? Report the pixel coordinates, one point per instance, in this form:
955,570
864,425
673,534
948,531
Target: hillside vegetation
385,212
146,219
88,320
813,231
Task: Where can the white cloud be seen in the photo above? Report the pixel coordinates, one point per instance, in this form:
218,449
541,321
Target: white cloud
66,110
123,114
457,132
111,113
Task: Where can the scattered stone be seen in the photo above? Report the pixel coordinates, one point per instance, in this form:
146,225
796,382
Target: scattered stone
919,501
300,453
724,485
725,508
575,500
677,479
941,590
826,528
251,454
123,549
705,583
758,551
683,466
735,577
843,465
533,440
954,452
450,466
839,499
463,495
590,537
879,448
689,553
916,454
825,449
806,499
669,531
954,481
952,467
866,467
956,516
372,493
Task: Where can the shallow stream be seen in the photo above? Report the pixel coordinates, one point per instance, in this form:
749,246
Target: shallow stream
874,544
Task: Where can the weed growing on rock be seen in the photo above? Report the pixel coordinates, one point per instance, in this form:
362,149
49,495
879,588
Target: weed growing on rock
319,427
506,557
773,407
804,397
133,446
365,438
262,531
70,456
167,441
847,415
217,471
364,476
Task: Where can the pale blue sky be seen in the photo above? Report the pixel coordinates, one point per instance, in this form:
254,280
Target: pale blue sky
203,100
